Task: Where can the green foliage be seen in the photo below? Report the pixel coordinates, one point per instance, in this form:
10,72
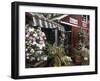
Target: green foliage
76,56
81,37
80,34
56,53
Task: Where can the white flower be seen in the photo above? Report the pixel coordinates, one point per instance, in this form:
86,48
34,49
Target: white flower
37,37
40,46
31,29
33,39
27,57
41,38
41,42
44,37
28,54
35,34
39,52
32,58
30,38
44,58
34,43
30,41
27,35
43,34
32,51
85,58
27,43
68,58
38,59
26,49
38,31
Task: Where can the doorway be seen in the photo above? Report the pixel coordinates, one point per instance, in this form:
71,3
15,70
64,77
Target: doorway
50,35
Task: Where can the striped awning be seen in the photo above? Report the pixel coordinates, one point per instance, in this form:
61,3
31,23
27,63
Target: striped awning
44,23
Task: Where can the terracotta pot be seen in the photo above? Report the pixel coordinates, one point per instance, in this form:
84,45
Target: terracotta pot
78,60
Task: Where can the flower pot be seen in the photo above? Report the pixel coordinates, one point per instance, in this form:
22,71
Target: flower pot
78,60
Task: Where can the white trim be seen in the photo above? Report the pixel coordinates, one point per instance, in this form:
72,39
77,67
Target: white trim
68,24
73,20
58,18
34,21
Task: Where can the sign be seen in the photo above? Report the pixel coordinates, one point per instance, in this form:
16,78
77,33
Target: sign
73,21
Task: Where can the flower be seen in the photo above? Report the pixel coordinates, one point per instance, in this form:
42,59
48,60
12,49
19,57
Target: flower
31,29
28,54
35,34
41,38
85,58
34,39
39,52
44,37
41,42
38,59
30,41
68,58
32,58
26,49
34,43
27,35
30,38
40,46
27,57
44,58
43,34
38,31
32,51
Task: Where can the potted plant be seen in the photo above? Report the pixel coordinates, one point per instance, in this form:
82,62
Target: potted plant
56,55
77,57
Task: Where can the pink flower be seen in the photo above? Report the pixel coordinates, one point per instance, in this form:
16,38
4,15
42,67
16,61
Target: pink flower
42,34
34,43
41,38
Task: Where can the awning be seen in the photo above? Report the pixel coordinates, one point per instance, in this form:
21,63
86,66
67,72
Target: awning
45,23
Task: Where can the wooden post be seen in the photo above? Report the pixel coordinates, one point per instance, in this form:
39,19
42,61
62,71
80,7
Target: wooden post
56,37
